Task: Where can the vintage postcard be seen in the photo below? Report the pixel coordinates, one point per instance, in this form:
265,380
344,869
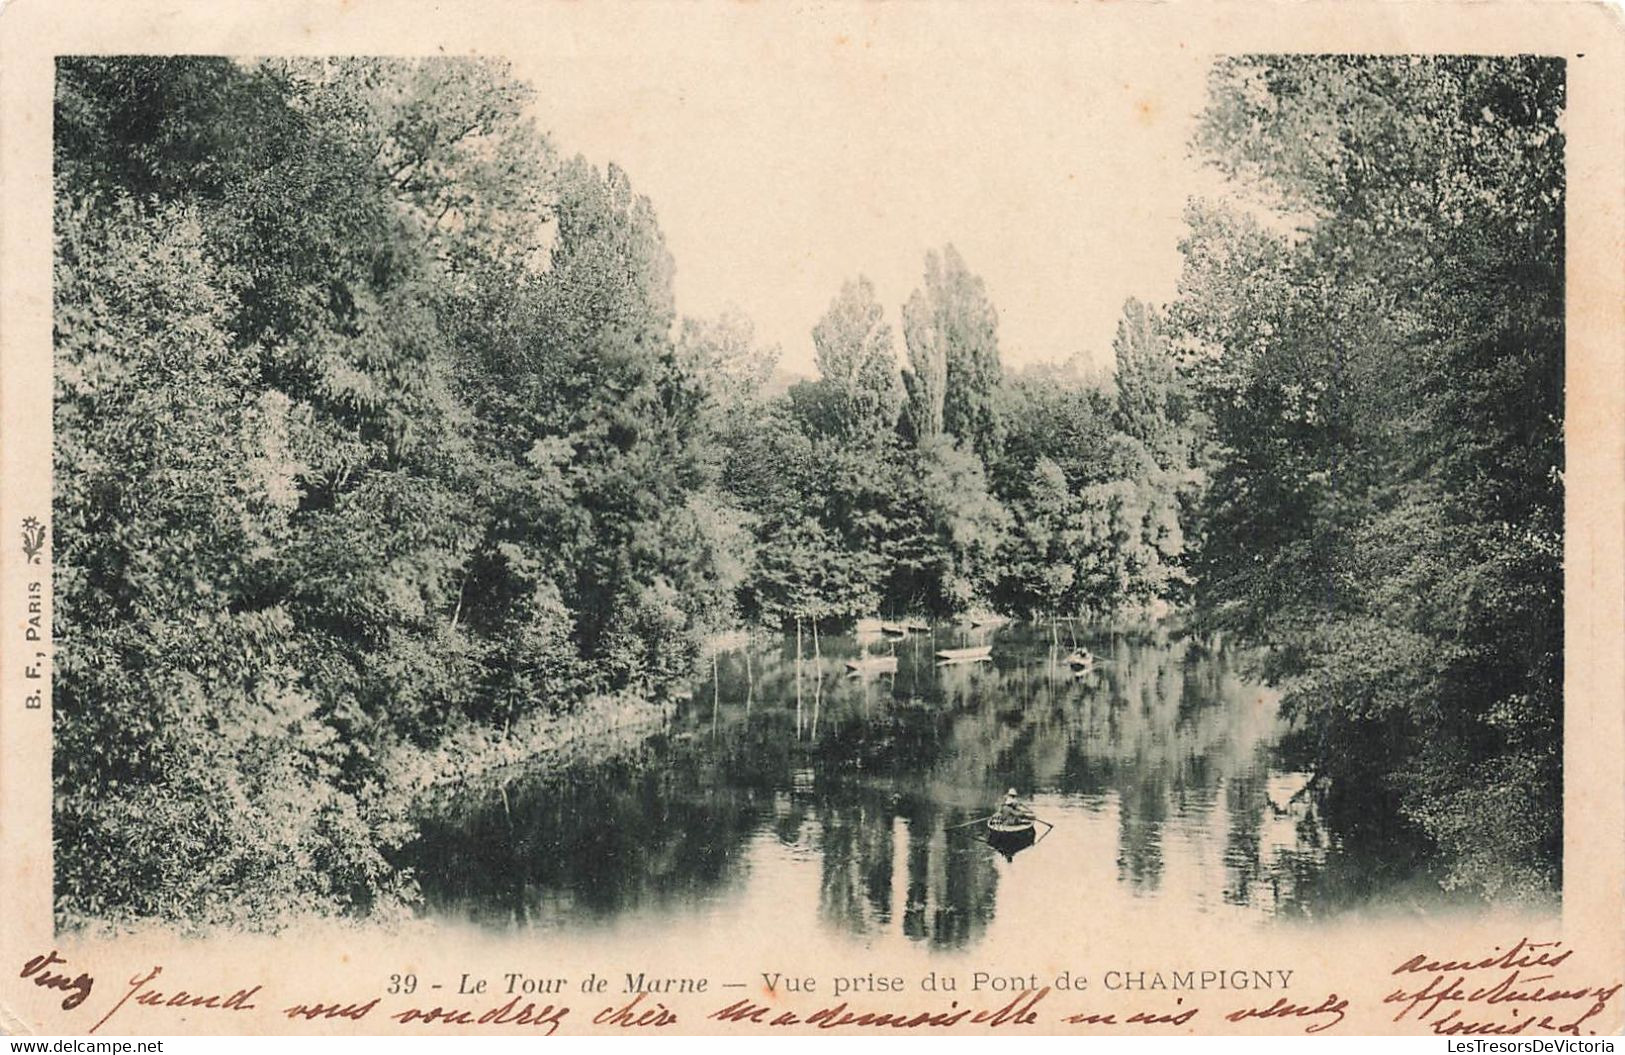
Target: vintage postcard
836,518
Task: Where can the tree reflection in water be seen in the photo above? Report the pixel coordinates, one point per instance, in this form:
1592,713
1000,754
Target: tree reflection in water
1162,744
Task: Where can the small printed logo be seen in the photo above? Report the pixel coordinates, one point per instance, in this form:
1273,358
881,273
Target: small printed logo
33,539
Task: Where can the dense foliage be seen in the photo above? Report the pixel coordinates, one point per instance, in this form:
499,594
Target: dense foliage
377,430
1041,493
371,430
1385,386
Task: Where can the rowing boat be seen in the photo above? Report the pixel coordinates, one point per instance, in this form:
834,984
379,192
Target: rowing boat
1010,839
974,654
894,629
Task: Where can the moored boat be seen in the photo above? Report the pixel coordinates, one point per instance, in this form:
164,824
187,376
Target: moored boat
973,654
894,629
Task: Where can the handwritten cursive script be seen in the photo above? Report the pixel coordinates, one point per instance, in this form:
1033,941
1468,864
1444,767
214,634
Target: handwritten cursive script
144,994
1135,1018
1284,1008
77,988
1506,993
1018,1012
545,1017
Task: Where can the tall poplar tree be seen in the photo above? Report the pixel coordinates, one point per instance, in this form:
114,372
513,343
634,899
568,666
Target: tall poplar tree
951,330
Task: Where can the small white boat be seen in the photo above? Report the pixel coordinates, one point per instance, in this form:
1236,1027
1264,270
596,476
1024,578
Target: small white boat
894,629
982,619
974,654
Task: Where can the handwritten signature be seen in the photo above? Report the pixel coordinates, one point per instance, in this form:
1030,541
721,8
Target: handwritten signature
1524,974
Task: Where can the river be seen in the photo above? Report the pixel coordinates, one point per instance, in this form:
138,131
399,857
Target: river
825,799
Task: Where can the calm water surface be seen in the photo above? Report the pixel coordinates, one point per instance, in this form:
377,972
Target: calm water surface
836,801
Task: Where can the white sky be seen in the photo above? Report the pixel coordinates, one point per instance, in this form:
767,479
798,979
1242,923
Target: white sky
787,151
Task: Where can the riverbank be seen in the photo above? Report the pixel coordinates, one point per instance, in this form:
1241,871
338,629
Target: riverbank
603,725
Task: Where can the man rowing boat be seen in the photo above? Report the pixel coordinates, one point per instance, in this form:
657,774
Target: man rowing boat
1012,812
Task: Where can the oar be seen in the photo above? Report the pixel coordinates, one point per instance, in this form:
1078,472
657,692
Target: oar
967,824
1048,827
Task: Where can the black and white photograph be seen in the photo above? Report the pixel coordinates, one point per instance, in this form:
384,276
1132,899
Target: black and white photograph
895,512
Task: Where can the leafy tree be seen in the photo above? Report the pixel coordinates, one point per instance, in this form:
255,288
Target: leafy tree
1055,416
969,522
1037,572
197,769
1153,406
722,356
451,142
1386,400
577,368
951,330
352,466
1100,484
857,364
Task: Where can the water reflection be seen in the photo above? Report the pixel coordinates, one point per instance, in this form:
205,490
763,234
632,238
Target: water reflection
1156,769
